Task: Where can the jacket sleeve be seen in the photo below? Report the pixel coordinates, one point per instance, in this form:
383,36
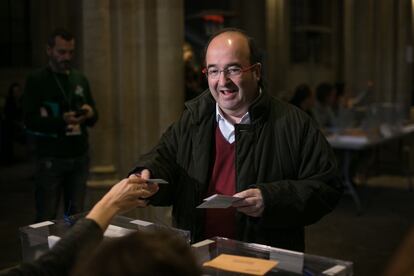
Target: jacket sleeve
161,161
82,237
314,191
32,105
91,102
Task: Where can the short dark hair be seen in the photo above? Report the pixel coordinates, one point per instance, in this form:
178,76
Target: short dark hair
141,253
11,88
302,92
255,55
323,91
65,34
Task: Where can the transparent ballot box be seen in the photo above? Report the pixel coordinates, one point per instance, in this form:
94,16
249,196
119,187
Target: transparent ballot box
40,237
289,262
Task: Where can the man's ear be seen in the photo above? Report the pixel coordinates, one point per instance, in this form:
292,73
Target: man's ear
48,50
258,71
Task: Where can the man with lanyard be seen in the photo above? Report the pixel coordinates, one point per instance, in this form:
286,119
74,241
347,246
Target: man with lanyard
236,139
58,107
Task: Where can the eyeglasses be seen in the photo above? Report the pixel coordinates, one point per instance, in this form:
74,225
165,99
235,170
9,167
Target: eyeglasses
230,72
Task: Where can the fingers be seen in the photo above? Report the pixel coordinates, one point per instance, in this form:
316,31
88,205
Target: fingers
140,181
136,179
145,174
251,204
252,210
89,110
69,117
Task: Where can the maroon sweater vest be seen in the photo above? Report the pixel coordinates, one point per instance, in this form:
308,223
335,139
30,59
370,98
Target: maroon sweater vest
221,222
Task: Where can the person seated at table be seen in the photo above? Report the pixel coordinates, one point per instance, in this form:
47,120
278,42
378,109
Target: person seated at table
141,253
322,111
87,233
303,98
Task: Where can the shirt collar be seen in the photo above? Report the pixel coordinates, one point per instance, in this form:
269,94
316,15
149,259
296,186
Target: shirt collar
219,116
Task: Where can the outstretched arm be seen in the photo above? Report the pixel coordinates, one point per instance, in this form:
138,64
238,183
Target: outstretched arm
87,233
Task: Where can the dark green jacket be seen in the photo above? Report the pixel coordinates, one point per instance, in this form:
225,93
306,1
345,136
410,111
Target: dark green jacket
80,240
46,97
281,152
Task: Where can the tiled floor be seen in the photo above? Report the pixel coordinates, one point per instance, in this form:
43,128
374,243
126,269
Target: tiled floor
368,240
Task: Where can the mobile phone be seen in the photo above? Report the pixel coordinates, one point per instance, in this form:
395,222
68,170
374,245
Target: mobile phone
80,112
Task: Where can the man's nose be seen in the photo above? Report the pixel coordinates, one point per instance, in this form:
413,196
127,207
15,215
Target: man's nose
67,56
223,78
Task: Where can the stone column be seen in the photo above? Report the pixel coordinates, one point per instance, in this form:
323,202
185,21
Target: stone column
349,44
97,66
404,51
277,45
170,36
133,58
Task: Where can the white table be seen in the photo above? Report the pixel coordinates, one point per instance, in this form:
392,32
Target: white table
352,143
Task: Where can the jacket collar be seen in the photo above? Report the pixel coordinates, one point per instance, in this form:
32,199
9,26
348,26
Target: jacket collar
204,106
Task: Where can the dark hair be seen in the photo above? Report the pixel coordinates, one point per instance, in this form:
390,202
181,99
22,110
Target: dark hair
302,92
323,91
340,88
255,55
11,88
141,253
66,35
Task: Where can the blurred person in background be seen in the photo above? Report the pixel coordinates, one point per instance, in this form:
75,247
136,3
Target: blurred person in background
323,109
303,98
13,129
58,108
192,73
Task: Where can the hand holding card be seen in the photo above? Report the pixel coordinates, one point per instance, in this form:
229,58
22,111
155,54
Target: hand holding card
156,180
218,201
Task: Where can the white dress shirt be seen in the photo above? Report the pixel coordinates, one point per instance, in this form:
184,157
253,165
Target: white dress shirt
227,128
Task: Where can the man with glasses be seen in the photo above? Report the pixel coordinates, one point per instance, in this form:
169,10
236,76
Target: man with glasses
237,140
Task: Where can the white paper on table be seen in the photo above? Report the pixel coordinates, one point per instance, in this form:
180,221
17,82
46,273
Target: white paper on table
41,224
218,201
114,231
335,270
52,240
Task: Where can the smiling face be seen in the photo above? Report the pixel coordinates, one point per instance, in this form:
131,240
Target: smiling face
234,94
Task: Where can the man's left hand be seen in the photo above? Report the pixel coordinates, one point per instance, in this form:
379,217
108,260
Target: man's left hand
251,204
89,111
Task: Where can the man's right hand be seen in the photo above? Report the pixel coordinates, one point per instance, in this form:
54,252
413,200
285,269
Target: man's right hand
151,188
123,196
71,119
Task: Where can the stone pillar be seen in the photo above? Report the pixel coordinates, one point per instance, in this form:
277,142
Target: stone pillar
385,30
377,33
277,45
132,56
404,61
349,44
97,65
170,36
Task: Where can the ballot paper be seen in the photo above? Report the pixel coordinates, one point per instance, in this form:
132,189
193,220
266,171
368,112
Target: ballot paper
114,231
218,201
246,265
156,180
